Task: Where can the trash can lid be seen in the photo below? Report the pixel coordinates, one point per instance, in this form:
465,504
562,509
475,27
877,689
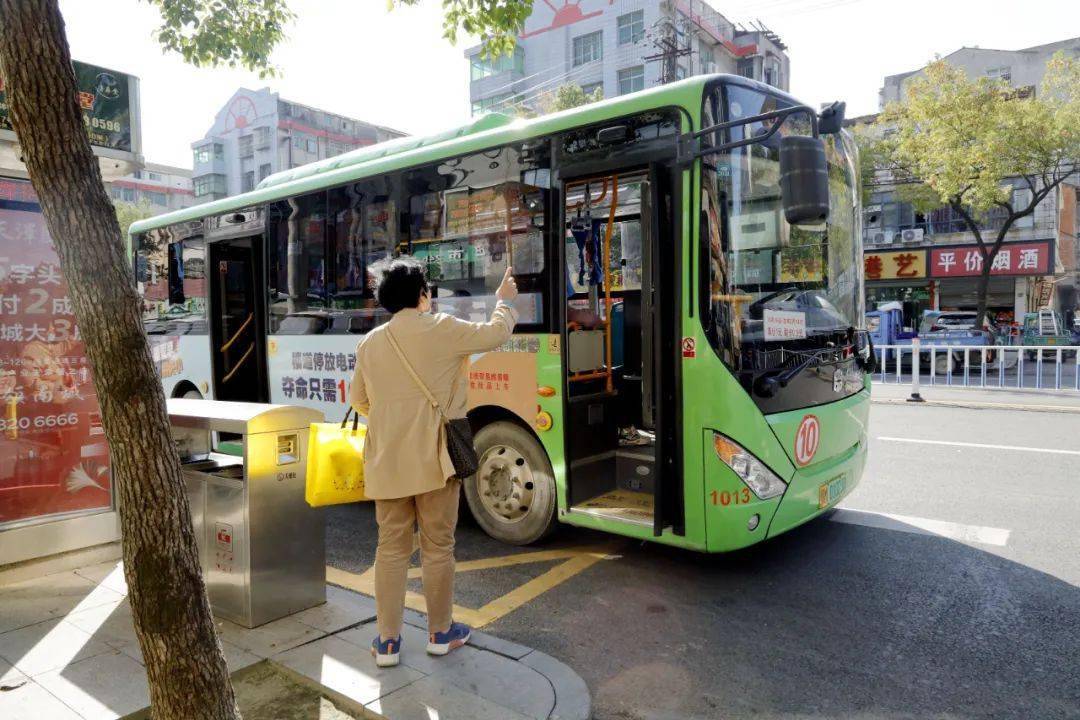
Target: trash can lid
240,417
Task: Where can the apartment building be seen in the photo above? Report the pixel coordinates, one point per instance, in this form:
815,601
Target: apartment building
620,46
258,133
162,187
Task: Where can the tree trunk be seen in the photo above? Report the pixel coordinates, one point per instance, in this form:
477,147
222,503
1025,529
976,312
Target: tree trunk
184,663
983,289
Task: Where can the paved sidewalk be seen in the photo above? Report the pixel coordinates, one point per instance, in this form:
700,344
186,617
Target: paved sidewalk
1063,401
68,651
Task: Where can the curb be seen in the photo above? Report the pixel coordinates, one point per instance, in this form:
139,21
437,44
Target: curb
977,405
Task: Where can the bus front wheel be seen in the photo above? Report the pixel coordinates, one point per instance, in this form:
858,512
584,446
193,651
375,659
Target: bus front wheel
512,494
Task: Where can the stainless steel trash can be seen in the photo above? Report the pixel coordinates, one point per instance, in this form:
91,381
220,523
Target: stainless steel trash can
261,545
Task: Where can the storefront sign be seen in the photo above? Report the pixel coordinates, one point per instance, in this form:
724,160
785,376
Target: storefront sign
1018,258
903,265
784,325
53,456
105,103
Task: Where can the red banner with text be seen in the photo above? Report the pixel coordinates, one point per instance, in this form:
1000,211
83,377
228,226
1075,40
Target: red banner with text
1015,258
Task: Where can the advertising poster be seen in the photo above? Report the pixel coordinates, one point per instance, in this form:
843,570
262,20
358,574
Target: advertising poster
105,102
1015,258
53,456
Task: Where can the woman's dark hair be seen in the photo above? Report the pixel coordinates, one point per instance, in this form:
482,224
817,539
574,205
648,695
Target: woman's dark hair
400,282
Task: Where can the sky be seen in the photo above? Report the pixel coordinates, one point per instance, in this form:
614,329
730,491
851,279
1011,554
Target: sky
357,58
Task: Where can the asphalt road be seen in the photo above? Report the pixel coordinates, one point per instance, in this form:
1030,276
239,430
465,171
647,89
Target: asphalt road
948,586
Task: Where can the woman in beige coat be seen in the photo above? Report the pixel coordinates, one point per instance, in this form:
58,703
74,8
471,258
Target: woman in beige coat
407,471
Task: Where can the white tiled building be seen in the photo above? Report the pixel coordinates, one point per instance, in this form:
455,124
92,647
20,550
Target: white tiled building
608,44
162,187
258,133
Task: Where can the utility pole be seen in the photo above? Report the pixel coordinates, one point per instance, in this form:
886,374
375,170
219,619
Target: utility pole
671,42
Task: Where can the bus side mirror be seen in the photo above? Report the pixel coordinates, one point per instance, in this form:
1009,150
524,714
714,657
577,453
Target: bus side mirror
804,180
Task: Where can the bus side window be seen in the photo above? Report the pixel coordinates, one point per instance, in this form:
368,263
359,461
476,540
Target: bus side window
170,266
470,217
297,283
359,234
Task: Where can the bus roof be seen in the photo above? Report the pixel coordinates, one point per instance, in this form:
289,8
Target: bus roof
485,132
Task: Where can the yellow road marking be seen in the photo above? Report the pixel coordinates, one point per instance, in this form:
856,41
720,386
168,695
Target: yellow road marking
576,561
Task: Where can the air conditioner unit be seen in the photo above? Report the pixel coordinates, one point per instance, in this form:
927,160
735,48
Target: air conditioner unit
911,235
881,238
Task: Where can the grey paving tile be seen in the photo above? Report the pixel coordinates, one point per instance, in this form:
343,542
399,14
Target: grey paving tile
499,679
33,702
52,596
48,646
341,609
572,699
413,648
498,645
269,639
100,688
9,676
347,669
435,698
108,574
110,623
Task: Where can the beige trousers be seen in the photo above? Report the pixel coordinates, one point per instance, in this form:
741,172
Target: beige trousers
436,514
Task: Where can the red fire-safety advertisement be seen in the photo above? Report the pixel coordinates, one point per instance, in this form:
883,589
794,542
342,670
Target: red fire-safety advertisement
53,456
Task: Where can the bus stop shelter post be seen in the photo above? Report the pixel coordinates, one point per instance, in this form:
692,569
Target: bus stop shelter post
915,396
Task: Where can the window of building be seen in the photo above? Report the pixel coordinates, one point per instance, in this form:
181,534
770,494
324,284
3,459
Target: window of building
631,27
209,185
588,48
492,104
247,181
481,67
631,79
297,282
1021,198
156,198
262,136
246,145
156,177
127,194
680,72
1000,73
264,171
592,88
312,145
209,152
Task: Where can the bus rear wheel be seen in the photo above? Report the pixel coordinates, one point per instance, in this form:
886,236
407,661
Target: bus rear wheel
512,495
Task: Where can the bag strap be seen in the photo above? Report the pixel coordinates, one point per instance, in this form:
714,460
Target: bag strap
416,378
355,420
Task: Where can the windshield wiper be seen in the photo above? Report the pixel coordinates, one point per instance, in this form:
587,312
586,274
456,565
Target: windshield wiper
767,383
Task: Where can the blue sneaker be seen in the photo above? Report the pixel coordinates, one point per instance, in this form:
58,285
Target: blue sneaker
387,653
444,642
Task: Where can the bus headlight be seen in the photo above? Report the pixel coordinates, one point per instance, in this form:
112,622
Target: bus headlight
761,480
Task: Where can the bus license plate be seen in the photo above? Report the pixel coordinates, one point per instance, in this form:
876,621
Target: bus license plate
830,492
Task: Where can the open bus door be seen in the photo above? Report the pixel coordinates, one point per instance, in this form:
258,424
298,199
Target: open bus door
620,331
237,325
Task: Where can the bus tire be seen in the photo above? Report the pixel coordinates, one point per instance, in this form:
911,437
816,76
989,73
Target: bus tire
512,495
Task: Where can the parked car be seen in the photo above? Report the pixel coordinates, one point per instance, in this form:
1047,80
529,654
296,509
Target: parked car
957,329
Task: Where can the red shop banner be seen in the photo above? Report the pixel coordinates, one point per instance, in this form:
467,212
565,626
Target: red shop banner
1016,258
53,456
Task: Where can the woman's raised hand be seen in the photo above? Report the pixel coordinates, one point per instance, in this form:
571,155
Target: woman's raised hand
508,287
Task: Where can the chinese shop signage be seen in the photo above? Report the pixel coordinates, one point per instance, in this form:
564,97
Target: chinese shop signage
105,103
55,459
908,264
1018,258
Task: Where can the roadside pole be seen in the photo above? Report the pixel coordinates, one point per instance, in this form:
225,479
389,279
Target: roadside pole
915,396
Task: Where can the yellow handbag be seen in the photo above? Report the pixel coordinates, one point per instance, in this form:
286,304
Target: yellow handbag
335,466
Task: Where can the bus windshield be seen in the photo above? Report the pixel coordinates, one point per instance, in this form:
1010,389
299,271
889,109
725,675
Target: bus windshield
778,296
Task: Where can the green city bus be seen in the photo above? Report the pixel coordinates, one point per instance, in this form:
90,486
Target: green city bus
689,365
